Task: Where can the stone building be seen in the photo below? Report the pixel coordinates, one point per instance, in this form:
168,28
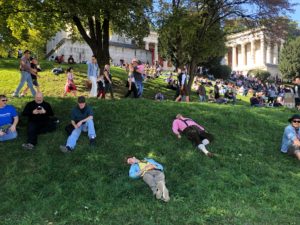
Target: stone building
253,49
121,49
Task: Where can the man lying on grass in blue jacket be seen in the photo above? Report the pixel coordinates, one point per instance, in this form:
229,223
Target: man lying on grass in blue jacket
152,173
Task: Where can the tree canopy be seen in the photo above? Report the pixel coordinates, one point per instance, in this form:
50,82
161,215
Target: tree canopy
289,63
93,20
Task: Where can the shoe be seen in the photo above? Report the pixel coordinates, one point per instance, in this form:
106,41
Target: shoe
22,95
28,146
65,149
14,95
165,193
92,141
210,155
159,191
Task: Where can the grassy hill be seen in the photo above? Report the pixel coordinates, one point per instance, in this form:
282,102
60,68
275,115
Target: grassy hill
248,182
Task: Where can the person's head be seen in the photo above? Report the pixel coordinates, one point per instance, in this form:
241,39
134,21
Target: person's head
131,160
3,101
295,120
94,60
39,97
179,116
134,61
106,67
34,61
81,102
70,70
27,54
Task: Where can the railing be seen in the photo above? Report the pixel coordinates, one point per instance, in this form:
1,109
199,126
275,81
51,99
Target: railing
58,45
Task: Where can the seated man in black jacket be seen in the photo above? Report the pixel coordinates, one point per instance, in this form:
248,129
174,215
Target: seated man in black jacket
39,115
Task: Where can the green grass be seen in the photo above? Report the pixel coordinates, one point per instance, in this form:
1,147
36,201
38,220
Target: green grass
249,182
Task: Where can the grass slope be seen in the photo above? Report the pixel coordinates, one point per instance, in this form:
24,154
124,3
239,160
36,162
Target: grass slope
249,182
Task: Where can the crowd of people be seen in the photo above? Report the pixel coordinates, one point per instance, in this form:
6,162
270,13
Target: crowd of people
41,118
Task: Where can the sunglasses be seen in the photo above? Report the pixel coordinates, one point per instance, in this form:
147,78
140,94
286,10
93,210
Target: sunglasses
4,100
296,121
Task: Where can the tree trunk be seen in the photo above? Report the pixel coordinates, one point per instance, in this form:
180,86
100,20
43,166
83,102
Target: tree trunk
98,38
192,67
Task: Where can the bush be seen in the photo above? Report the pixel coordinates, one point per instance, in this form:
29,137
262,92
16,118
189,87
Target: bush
260,74
221,71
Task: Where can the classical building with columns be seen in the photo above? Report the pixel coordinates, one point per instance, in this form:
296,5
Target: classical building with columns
253,49
121,49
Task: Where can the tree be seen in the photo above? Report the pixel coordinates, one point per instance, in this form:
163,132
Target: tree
289,63
92,19
189,25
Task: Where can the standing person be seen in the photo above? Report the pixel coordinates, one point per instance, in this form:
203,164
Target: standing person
39,115
25,74
8,120
93,72
138,77
194,132
131,83
202,92
108,81
34,76
296,90
182,83
82,120
216,90
152,174
70,85
291,137
20,53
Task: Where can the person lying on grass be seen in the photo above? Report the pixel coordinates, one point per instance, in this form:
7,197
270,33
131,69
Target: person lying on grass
194,132
291,137
152,173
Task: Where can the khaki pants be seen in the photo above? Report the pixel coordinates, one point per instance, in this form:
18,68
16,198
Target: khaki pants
152,178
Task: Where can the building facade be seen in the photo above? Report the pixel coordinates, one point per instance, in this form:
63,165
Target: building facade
122,49
252,50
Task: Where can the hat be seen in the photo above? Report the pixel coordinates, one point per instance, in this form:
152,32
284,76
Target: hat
134,60
295,116
81,99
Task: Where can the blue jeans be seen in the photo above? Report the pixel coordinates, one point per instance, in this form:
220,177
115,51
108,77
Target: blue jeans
140,87
9,135
87,127
25,77
202,98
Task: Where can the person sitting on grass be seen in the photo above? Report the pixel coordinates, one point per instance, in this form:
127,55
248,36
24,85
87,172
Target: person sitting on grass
152,174
194,132
39,115
8,120
256,100
82,120
291,137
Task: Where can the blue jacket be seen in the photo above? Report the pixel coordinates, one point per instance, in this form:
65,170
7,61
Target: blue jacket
134,171
288,137
93,70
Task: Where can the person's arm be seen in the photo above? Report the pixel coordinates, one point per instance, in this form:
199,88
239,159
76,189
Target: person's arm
14,125
175,128
134,171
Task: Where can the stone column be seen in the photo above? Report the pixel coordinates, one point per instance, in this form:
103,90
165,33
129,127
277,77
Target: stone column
234,57
146,45
263,50
269,52
243,52
252,61
276,55
156,52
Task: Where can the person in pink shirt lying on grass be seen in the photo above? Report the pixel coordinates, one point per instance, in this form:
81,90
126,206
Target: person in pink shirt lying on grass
194,132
